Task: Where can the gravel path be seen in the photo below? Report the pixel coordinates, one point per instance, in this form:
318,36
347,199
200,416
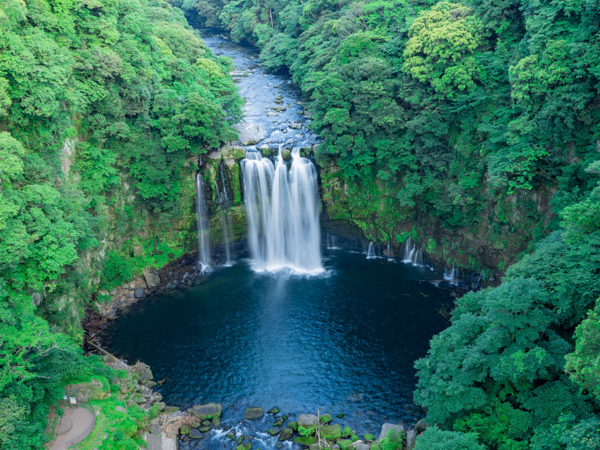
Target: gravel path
82,422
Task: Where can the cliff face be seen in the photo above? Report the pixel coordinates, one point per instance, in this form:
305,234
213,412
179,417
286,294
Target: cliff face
495,237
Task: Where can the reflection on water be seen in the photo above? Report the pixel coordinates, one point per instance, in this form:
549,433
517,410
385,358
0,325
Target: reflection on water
343,342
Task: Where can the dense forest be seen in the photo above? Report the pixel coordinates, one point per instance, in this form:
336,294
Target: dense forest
91,94
445,107
452,104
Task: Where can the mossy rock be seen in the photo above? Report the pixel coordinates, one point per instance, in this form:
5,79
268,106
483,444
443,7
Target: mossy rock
307,441
254,413
347,432
325,418
240,439
208,411
139,398
354,438
344,443
331,432
206,423
231,435
369,437
278,423
340,416
171,409
274,431
184,430
273,411
216,422
286,434
244,446
293,426
205,429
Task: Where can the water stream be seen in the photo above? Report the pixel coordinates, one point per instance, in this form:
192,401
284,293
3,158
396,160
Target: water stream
202,226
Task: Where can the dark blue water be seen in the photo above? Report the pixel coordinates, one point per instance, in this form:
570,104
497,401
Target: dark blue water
341,343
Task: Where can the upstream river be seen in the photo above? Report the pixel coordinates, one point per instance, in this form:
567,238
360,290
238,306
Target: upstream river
342,342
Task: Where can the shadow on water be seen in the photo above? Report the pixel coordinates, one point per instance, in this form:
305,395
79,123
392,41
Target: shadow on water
344,342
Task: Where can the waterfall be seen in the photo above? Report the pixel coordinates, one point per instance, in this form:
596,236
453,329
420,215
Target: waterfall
203,228
331,242
371,251
412,254
389,253
282,211
450,274
223,201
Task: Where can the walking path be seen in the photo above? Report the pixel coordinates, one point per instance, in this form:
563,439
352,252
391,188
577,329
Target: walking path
75,426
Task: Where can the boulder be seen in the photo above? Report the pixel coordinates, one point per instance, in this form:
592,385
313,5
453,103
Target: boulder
139,398
325,418
184,430
361,446
171,409
421,426
216,422
206,423
244,446
369,437
347,432
278,422
92,390
344,443
160,405
307,424
296,125
208,411
139,292
205,429
231,435
307,441
387,427
195,434
273,411
293,425
151,276
254,413
331,432
286,434
274,431
411,439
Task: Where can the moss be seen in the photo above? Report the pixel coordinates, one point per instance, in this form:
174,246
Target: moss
306,431
347,432
184,430
369,437
244,446
331,432
344,443
305,440
293,425
325,418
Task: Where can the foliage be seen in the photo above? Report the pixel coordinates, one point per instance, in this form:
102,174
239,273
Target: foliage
435,439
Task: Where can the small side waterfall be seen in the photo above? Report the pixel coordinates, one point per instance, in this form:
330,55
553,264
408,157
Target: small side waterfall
371,251
224,210
203,228
389,253
412,254
450,274
331,242
282,211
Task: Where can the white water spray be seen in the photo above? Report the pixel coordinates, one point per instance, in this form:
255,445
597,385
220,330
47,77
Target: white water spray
224,215
282,211
203,228
450,274
412,254
371,251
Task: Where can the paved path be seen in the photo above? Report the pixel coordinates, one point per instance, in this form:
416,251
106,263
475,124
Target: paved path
80,426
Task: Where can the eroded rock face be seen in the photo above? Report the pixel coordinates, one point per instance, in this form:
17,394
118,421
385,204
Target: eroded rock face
254,413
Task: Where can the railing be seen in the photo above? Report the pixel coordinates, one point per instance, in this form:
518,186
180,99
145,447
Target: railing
87,431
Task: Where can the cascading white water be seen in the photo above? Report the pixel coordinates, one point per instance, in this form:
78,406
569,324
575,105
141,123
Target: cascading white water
203,228
389,253
282,211
331,242
371,251
224,215
412,254
450,274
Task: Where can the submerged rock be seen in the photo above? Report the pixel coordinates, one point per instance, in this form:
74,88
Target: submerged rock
244,446
195,434
274,431
286,434
254,413
273,411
